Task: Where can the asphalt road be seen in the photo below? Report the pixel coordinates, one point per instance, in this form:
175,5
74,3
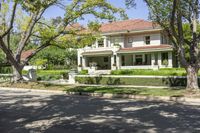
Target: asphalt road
34,112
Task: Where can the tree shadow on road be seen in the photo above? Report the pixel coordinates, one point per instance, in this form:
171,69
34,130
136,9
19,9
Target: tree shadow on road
22,112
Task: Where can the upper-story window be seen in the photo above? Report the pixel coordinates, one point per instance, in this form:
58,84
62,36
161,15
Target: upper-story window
100,43
130,40
147,40
115,41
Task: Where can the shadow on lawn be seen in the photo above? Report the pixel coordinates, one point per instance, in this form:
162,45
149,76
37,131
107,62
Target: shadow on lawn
22,112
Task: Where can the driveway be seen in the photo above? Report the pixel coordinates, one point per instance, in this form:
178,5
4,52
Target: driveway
34,112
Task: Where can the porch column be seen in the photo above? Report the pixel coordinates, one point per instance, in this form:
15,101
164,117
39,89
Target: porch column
109,41
152,59
105,42
118,61
143,58
170,64
96,44
79,62
112,62
159,59
133,59
84,62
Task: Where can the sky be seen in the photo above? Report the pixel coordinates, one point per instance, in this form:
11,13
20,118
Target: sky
140,11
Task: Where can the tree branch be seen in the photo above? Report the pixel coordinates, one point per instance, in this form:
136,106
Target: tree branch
11,21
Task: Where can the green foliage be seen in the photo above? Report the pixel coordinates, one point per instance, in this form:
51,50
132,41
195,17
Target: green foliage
160,72
5,70
56,57
133,81
133,91
30,30
40,62
165,62
83,72
47,75
177,18
2,57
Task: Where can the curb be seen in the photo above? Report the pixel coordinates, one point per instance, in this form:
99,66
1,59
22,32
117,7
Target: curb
193,101
140,97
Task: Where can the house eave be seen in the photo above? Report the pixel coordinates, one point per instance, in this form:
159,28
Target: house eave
145,51
131,32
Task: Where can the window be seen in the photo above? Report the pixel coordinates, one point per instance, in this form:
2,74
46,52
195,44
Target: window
130,40
115,41
138,59
123,60
147,40
81,61
100,43
164,39
105,59
115,59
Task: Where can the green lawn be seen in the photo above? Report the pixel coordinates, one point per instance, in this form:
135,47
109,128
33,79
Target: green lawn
113,90
134,91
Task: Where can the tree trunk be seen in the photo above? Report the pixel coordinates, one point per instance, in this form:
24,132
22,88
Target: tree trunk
17,74
192,79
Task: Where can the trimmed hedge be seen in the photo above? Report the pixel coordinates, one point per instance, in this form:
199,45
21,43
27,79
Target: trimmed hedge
48,75
5,70
160,72
138,81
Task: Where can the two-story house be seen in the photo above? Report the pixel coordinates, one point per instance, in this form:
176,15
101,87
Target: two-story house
129,44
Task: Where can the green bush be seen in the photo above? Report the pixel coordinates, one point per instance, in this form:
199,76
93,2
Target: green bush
83,72
5,70
133,81
50,74
160,72
48,77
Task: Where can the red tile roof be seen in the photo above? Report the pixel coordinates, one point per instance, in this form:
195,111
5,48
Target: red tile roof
25,54
147,48
128,25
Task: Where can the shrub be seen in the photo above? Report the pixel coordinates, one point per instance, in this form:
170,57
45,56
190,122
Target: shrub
65,75
83,72
165,62
51,74
160,72
133,81
5,70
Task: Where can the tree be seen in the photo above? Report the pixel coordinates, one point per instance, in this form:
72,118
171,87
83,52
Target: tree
179,19
32,27
56,58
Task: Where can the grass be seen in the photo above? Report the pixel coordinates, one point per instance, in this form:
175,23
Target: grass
36,85
134,91
113,90
160,72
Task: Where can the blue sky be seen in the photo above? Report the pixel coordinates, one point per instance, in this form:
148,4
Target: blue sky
140,11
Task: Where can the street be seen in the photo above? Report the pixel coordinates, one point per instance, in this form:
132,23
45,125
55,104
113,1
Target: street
36,112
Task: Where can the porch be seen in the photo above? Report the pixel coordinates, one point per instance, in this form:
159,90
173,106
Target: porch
99,62
153,60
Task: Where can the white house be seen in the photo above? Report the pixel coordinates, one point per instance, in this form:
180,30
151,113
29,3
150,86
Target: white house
129,44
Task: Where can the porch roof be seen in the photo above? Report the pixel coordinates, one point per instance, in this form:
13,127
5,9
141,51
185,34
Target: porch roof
98,53
149,48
